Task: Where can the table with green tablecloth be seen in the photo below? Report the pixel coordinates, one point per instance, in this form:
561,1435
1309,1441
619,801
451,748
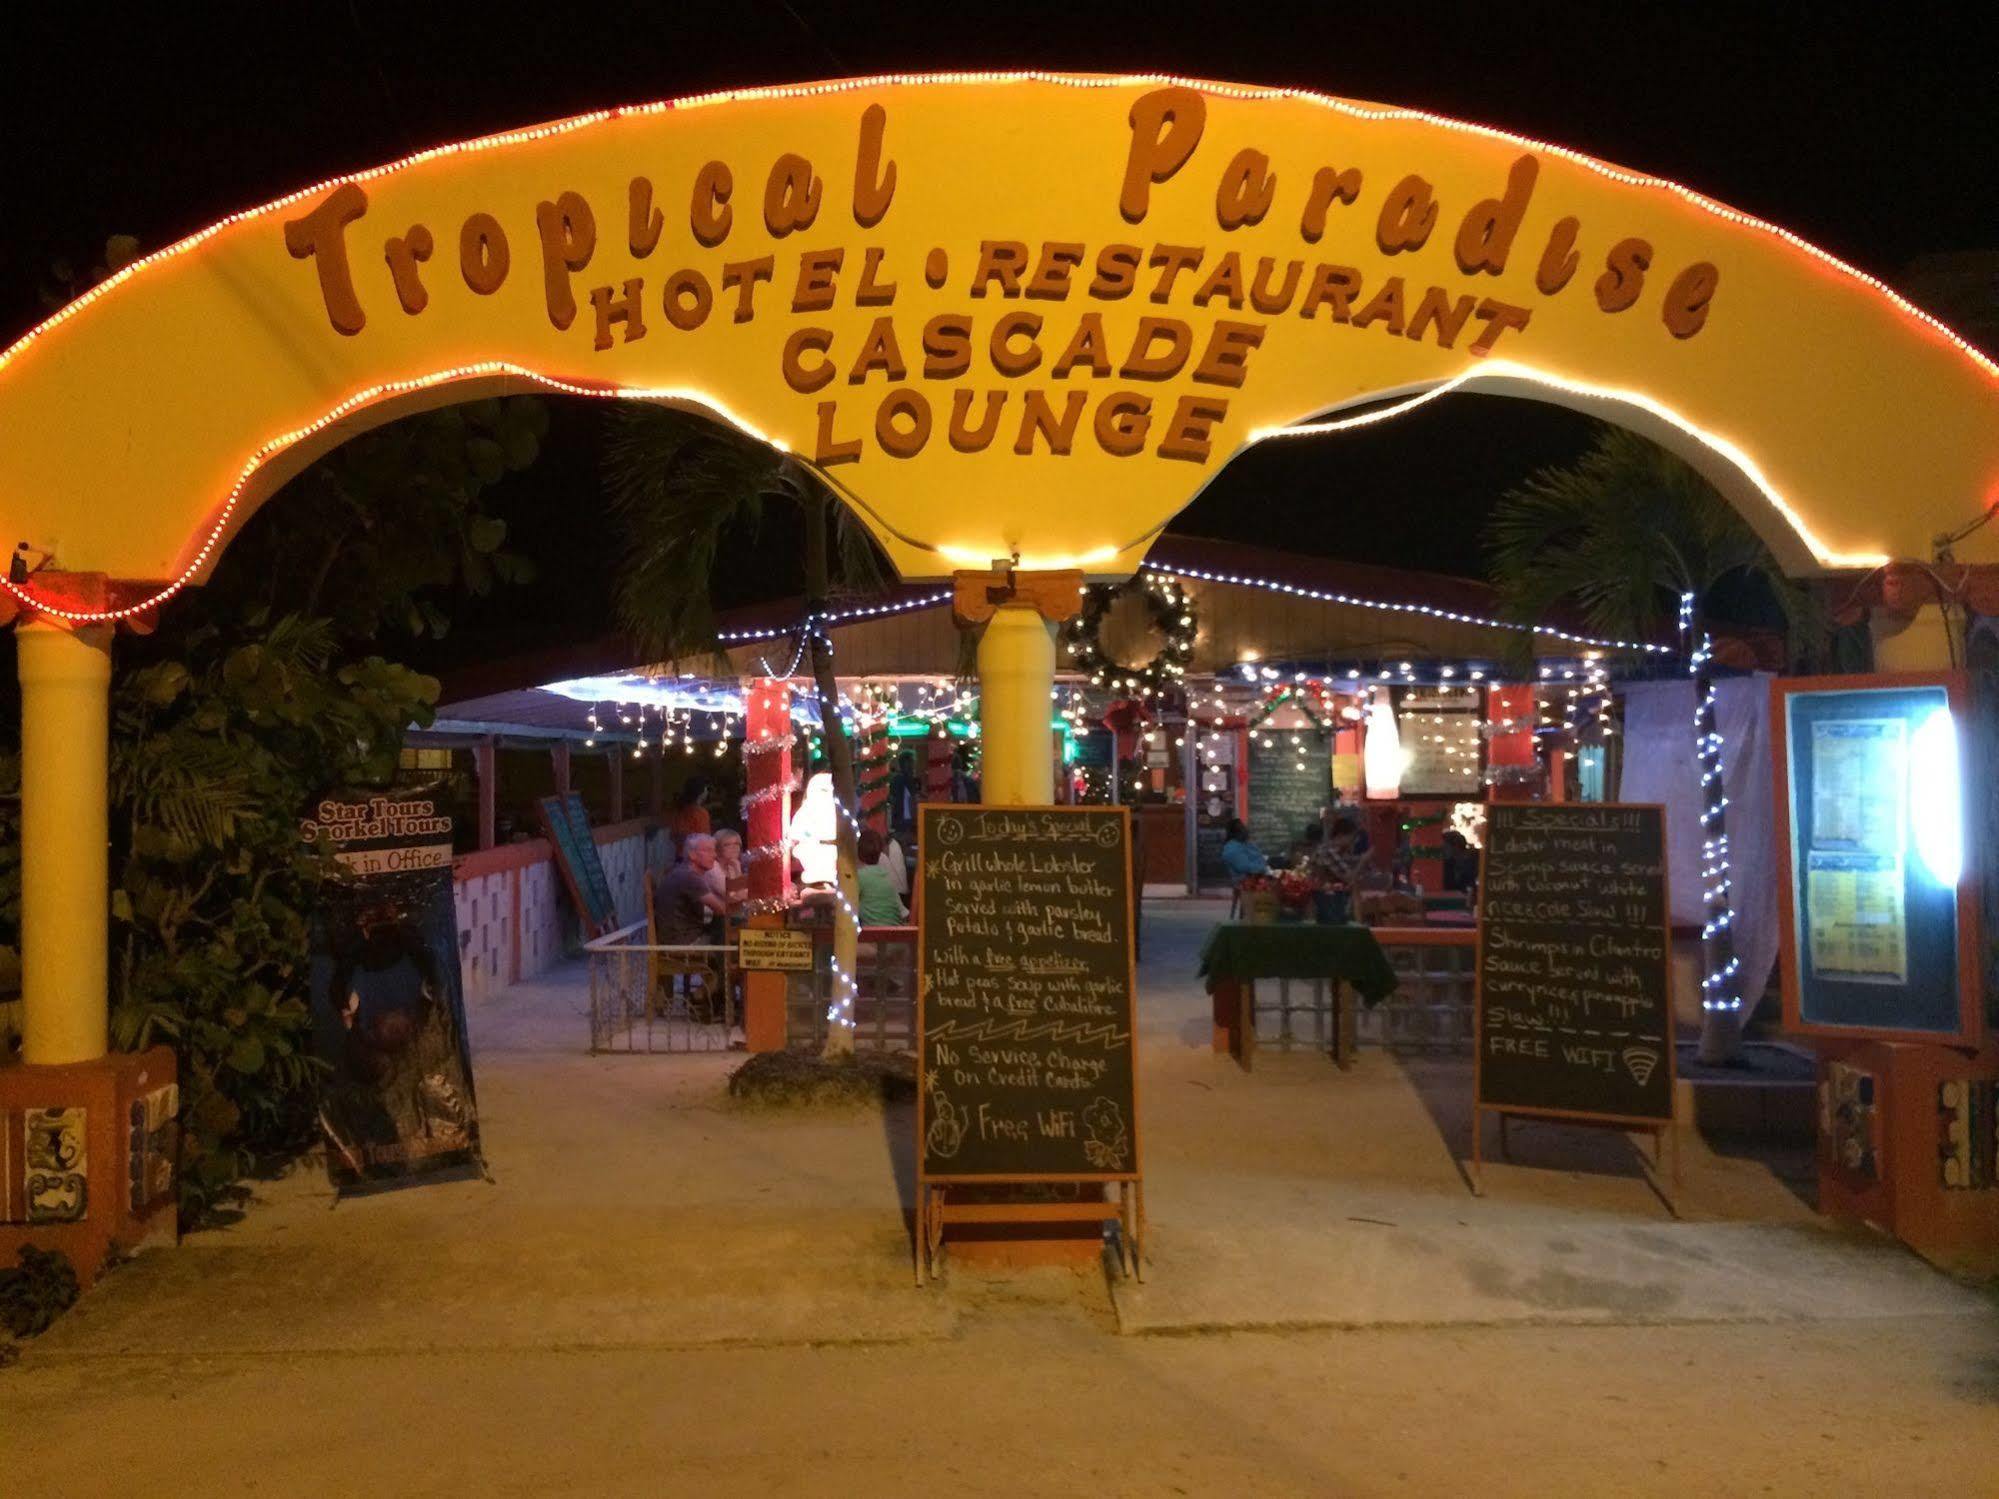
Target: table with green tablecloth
1237,954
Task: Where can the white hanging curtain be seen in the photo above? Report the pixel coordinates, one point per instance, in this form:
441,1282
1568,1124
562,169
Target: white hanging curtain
1660,766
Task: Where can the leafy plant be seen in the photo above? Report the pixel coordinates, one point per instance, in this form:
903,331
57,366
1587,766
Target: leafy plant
213,759
37,1291
254,698
378,534
257,694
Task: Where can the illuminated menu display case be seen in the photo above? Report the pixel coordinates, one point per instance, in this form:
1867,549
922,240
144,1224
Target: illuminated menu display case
1880,917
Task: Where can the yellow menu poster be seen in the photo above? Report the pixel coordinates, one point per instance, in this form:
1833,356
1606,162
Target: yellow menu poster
1859,927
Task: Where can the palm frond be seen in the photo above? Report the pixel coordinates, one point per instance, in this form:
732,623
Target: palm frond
683,488
680,486
859,566
195,792
1618,536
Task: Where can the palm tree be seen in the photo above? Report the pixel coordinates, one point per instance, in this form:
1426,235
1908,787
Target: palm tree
1632,538
683,489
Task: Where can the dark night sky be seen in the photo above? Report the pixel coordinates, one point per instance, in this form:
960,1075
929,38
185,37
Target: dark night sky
1868,131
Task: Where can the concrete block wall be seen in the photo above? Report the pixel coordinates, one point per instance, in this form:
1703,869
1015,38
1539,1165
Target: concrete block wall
485,932
512,904
542,902
625,867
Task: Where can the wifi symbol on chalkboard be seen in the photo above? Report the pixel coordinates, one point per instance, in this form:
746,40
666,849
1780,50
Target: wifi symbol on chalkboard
1639,1061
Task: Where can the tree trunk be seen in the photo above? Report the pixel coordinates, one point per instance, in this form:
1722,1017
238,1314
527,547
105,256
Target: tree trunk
1721,1000
840,758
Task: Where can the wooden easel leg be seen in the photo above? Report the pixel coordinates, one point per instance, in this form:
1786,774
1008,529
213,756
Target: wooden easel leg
1127,1259
922,1236
937,1230
1138,1235
1673,1201
1478,1150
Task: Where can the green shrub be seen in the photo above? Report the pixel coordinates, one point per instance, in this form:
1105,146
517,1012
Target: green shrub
40,1290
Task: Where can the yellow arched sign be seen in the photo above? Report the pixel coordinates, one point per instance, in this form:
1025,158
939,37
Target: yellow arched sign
1019,314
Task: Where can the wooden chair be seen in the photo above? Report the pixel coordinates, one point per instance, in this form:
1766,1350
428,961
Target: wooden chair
663,968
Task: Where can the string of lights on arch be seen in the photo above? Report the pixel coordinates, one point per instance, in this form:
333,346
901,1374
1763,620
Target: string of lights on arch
1372,114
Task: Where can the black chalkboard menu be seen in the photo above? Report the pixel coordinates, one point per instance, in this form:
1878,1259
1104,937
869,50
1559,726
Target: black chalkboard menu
1290,782
1024,1025
1575,1010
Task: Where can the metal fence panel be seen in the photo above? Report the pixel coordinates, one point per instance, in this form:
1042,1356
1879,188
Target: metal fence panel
649,997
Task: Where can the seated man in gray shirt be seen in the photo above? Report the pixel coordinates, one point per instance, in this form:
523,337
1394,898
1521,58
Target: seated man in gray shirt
684,901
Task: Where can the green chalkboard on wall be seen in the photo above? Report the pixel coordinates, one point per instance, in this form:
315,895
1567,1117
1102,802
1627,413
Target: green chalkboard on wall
1290,780
567,826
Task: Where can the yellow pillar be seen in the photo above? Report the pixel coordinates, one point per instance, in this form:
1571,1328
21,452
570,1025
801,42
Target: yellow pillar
1016,676
1922,643
65,828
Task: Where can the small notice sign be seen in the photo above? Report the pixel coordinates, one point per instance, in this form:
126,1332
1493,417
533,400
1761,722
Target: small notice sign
775,948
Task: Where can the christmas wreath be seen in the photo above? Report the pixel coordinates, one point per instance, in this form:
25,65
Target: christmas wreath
1173,615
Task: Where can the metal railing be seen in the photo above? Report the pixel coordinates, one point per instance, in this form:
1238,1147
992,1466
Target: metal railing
687,997
662,997
885,997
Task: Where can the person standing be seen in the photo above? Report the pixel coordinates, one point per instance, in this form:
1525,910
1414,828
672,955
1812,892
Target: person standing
905,790
690,812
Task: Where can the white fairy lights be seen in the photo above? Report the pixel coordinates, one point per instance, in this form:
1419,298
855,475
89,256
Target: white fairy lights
484,370
1502,370
1427,611
1366,114
1718,991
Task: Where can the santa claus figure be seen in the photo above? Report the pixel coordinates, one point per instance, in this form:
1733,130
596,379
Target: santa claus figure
815,833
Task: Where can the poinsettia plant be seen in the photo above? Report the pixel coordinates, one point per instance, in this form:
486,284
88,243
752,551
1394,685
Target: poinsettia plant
1295,888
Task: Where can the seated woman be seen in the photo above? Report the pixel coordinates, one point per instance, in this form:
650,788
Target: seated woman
879,904
1241,857
728,876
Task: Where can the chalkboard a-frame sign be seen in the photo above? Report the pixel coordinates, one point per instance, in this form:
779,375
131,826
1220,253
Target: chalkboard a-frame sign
1026,975
1574,1019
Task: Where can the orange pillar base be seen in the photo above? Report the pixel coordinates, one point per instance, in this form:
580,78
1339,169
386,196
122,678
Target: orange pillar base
763,1001
1898,1183
86,1157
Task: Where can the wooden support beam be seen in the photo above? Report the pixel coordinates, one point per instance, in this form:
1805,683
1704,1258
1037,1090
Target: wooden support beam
485,765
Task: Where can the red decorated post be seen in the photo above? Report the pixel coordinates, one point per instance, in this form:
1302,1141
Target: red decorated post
871,774
1512,767
766,814
767,779
937,765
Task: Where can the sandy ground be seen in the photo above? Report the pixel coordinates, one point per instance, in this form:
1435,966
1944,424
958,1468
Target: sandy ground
661,1294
